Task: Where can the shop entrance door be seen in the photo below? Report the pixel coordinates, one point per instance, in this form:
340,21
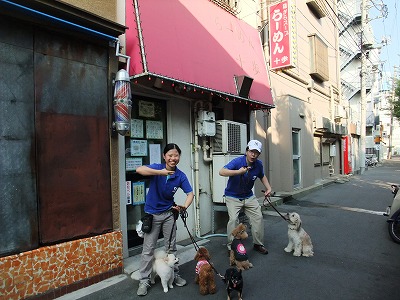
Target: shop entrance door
296,158
143,146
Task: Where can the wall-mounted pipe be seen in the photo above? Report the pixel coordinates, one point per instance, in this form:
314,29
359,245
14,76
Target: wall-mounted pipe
196,169
118,54
197,107
207,148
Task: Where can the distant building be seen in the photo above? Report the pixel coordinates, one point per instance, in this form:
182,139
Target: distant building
352,42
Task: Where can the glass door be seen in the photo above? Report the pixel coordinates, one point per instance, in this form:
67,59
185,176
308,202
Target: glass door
143,146
296,145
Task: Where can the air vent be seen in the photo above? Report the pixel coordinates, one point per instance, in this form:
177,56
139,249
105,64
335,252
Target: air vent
230,137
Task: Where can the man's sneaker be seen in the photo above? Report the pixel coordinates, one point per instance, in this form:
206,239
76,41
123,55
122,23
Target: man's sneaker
179,281
142,290
261,249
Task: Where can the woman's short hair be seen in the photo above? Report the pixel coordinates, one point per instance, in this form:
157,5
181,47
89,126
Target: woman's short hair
172,146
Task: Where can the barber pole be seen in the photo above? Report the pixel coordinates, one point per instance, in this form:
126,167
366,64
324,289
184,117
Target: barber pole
122,102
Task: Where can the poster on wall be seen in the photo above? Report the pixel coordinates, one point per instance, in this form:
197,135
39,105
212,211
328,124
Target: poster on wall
128,192
137,130
132,163
154,130
146,109
155,153
138,148
138,192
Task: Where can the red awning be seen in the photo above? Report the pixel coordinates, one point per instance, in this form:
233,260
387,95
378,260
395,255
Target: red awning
198,43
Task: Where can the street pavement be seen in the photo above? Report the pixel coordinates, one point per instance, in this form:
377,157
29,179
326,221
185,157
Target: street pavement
354,257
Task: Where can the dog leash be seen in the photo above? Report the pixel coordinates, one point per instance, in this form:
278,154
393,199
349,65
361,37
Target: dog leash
184,214
268,199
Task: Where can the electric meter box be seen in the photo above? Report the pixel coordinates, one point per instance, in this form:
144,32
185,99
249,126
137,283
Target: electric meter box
332,150
206,123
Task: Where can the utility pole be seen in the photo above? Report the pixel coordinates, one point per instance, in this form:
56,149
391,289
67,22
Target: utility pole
389,153
363,88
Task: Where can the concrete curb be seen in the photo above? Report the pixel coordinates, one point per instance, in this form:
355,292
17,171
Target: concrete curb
305,191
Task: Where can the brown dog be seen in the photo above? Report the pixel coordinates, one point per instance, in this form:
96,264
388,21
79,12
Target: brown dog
238,255
204,272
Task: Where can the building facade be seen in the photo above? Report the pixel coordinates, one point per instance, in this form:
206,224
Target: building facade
199,81
60,230
74,198
357,39
208,81
308,123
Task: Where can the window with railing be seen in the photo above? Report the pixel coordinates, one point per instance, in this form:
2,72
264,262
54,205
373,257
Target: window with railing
229,5
318,58
317,7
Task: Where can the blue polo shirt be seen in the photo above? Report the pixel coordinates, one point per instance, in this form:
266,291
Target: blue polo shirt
240,186
162,189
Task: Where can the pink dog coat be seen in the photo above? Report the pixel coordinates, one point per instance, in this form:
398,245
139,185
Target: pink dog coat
200,264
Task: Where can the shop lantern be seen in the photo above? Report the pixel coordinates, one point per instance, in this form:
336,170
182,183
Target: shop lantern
122,103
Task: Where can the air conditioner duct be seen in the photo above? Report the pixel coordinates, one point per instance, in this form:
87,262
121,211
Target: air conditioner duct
243,85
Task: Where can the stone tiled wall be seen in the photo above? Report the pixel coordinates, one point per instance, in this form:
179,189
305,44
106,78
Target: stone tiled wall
51,268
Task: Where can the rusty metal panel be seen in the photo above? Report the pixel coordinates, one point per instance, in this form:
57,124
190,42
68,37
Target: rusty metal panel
18,213
72,138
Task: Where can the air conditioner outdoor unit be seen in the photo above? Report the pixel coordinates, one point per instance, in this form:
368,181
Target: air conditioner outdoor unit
230,137
219,182
340,112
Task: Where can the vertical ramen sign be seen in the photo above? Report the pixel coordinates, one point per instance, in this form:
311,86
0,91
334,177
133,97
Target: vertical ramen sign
282,35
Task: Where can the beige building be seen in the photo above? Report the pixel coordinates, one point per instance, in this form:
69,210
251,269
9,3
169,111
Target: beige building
205,81
308,122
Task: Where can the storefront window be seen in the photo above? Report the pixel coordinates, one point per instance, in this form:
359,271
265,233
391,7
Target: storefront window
143,146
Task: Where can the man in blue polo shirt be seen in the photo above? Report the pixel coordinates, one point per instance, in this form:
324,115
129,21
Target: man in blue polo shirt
243,172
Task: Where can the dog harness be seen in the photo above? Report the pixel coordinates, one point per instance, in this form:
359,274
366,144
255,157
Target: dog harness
239,250
200,263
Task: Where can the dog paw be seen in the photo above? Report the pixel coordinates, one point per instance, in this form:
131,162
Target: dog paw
288,250
296,254
250,265
165,290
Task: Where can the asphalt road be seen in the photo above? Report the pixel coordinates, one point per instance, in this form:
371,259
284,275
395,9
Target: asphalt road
354,255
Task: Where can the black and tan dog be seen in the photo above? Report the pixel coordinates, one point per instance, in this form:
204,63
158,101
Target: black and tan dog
234,282
238,255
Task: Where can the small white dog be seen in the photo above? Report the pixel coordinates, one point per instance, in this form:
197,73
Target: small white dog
163,266
299,240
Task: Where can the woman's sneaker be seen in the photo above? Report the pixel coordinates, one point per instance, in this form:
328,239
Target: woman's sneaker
179,281
142,290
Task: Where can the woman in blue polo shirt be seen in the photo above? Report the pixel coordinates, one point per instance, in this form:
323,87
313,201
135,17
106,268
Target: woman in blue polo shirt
165,180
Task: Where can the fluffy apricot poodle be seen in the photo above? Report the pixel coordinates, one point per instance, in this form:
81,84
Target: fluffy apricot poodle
205,277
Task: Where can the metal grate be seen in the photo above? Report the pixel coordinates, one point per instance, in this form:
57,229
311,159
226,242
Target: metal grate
234,138
230,137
